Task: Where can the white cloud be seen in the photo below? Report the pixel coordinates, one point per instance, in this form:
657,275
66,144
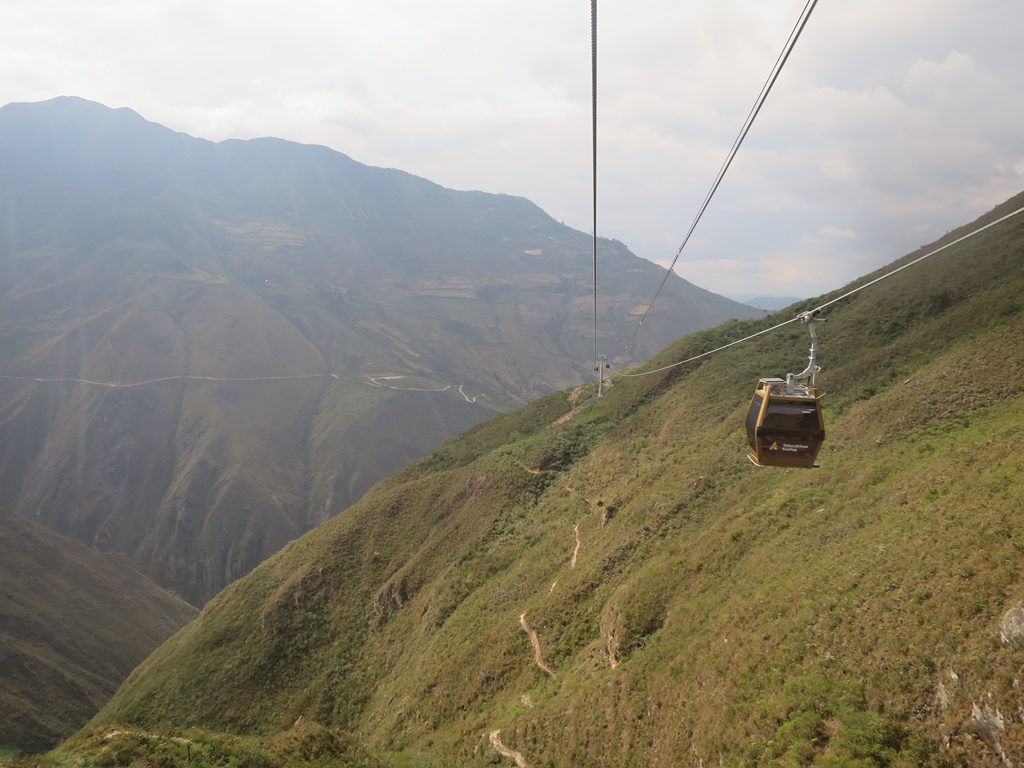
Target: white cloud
837,233
925,74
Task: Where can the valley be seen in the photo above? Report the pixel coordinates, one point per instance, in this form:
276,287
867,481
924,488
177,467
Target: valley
197,337
716,610
73,624
401,441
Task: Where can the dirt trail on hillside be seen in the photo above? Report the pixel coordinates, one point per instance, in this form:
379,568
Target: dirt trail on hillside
373,381
538,657
562,419
381,381
574,398
378,381
469,399
495,737
528,470
576,551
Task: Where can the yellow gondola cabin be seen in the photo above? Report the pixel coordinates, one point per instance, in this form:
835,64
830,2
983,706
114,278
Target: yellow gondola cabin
784,425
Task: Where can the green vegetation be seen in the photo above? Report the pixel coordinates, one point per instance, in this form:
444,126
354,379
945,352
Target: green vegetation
73,624
305,744
716,612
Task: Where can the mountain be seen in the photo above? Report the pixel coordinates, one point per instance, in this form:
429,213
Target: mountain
767,302
207,349
73,624
610,582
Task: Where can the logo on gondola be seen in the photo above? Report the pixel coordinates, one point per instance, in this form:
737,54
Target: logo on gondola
774,446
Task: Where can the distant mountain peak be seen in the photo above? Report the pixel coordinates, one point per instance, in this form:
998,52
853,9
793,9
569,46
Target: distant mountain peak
74,106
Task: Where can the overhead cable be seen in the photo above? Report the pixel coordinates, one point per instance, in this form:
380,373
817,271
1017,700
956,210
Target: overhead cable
709,352
593,101
830,302
950,244
780,62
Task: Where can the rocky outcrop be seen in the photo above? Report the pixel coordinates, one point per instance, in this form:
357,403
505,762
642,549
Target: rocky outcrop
1011,628
988,723
391,598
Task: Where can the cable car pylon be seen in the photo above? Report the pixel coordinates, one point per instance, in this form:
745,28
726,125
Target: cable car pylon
600,366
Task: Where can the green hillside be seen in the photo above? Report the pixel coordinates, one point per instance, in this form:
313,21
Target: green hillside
625,589
73,624
304,744
270,304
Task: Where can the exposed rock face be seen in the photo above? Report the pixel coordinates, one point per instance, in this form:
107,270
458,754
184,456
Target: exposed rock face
988,723
391,598
1011,628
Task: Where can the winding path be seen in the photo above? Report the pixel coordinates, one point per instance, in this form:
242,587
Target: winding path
469,399
576,551
376,382
373,381
538,657
495,737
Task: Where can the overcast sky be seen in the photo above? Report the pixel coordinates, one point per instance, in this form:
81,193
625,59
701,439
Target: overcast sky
893,122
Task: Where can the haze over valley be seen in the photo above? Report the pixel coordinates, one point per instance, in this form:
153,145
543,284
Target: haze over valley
269,329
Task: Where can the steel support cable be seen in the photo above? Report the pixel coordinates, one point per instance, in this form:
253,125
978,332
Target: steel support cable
593,101
780,62
941,248
709,352
830,302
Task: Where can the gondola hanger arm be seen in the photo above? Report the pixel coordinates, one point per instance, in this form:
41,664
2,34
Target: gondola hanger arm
811,371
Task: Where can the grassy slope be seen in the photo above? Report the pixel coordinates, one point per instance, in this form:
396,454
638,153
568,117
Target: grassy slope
304,744
845,616
73,623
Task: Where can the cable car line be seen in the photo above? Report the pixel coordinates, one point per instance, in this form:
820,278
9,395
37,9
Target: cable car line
780,62
817,310
960,239
708,353
593,101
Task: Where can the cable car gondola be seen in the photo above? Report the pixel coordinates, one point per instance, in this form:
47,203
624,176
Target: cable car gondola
784,423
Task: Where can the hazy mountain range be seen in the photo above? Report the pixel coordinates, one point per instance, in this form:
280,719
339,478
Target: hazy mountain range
612,583
206,349
767,302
